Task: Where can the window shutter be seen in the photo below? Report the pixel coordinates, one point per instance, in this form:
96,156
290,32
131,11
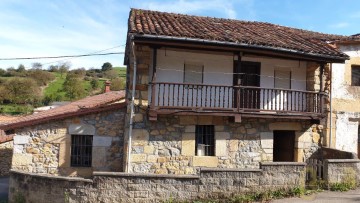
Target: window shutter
282,79
193,73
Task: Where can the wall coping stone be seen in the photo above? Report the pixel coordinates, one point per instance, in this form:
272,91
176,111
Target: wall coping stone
144,175
206,169
71,179
282,164
342,160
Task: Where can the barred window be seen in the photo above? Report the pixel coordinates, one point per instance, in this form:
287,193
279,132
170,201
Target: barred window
205,139
81,150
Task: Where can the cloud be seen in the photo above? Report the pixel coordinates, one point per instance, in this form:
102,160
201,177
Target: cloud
340,25
61,28
191,7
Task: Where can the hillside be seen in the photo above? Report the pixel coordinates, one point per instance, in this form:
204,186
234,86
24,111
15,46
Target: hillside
80,83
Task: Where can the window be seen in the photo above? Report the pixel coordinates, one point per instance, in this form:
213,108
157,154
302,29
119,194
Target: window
355,75
193,73
282,79
204,135
81,150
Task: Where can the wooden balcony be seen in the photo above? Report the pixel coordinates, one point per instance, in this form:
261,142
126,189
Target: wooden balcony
243,101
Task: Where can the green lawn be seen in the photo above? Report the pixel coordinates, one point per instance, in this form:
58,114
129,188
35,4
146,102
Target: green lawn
15,109
55,87
121,71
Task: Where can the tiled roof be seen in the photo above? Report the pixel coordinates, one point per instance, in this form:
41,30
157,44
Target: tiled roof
101,102
7,118
6,138
255,34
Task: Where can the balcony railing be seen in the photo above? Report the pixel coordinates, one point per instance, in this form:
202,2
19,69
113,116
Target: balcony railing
202,97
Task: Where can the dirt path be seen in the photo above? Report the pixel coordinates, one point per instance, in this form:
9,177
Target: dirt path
351,196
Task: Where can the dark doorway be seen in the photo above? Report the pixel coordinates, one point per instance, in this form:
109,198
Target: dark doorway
247,74
284,143
359,141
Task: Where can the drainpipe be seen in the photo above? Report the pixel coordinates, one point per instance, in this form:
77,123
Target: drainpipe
131,112
330,95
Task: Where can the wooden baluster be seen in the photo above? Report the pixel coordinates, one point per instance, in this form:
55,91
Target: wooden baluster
173,97
206,89
219,105
178,95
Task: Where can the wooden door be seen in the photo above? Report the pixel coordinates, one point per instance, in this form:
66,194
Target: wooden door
247,74
284,144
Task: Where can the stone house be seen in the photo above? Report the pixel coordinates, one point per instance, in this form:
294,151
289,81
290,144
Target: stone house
345,97
71,140
224,93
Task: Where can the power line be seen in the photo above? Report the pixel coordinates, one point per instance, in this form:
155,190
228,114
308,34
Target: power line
54,57
95,52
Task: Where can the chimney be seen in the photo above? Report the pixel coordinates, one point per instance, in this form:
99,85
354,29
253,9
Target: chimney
107,86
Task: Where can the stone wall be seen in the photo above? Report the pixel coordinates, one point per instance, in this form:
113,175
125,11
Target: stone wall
6,152
342,171
167,146
115,187
45,148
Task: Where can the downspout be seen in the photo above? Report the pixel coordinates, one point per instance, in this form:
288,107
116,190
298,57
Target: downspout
131,112
330,98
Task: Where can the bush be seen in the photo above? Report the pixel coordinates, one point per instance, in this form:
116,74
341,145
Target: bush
117,84
41,77
20,91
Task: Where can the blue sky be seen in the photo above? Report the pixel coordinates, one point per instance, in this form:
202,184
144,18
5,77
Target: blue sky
32,28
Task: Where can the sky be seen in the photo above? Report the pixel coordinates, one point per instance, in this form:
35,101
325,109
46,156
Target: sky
34,28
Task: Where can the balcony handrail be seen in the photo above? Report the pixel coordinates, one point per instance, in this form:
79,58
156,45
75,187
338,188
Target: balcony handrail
239,86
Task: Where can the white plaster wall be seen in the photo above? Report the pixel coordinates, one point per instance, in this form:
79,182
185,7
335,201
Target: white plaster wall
339,84
346,133
218,69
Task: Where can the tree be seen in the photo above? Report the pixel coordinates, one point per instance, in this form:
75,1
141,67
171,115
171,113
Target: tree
111,74
64,68
53,68
73,87
106,66
21,90
41,77
21,68
117,84
94,83
36,65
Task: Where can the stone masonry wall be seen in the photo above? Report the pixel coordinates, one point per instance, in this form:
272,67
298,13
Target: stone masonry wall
45,148
6,152
167,146
122,187
342,171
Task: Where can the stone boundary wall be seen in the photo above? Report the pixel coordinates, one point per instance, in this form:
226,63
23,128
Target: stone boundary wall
6,153
342,170
122,187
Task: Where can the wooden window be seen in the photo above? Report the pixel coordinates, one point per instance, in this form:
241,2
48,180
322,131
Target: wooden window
282,79
355,75
81,150
205,140
193,73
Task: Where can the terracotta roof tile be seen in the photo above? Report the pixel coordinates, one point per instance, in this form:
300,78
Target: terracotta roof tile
145,22
6,138
86,105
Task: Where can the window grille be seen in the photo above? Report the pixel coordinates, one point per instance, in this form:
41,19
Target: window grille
205,140
81,150
355,75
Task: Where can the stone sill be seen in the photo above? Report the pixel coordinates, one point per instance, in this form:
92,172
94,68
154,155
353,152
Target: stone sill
343,160
282,164
229,170
144,175
71,179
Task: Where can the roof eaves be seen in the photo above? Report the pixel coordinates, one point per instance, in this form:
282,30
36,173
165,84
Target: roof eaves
80,112
135,36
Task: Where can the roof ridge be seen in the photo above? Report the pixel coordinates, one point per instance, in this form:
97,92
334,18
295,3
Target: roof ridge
238,20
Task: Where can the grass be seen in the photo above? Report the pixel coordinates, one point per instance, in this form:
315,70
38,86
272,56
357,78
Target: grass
121,71
16,109
55,87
